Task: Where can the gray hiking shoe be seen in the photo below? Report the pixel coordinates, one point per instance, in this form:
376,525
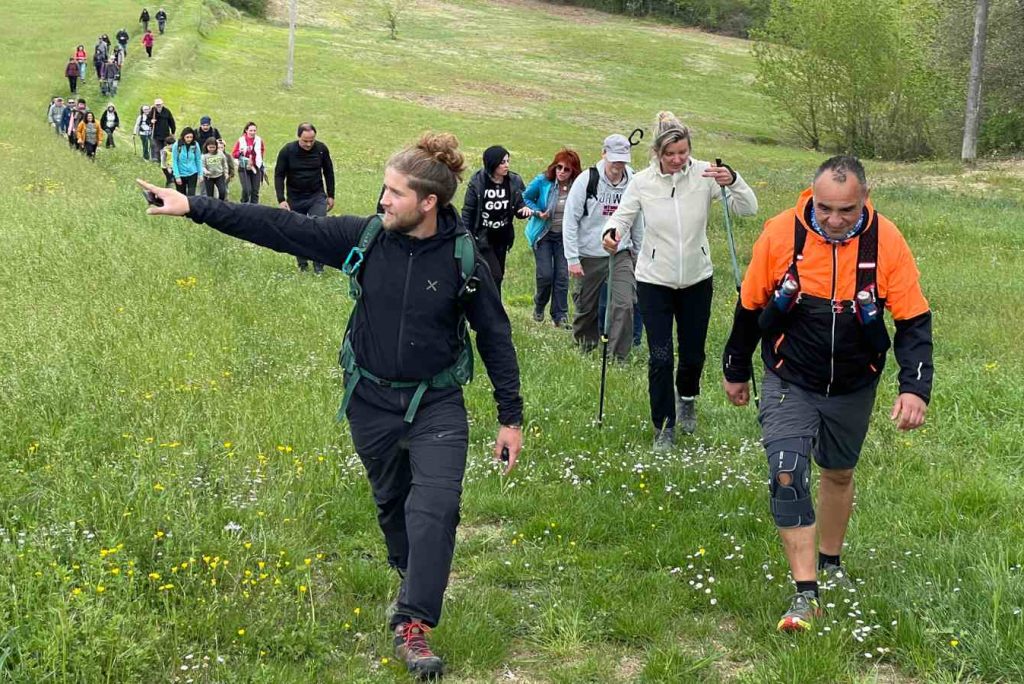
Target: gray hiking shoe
411,648
664,439
835,577
538,315
686,415
803,608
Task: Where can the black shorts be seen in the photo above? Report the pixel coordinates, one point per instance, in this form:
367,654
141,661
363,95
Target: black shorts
836,425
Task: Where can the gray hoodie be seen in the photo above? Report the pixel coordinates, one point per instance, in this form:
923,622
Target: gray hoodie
581,235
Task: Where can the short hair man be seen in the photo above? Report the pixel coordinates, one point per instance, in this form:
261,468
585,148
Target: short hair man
820,278
305,169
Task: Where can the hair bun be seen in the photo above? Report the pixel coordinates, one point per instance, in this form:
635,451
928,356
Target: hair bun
444,147
666,121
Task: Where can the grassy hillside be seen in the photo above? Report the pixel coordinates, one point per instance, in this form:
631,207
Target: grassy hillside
177,504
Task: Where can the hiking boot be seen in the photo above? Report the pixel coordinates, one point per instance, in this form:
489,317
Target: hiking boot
803,608
412,649
563,323
538,315
686,415
835,577
664,439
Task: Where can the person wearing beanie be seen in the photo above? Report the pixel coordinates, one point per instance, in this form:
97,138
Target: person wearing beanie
494,197
673,270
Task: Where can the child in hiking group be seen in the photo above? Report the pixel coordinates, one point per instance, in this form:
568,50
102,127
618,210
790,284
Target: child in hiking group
166,161
215,170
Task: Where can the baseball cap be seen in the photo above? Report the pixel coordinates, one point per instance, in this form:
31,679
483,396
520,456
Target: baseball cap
616,148
204,120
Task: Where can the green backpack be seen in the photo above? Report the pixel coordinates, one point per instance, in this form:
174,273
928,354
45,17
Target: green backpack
458,374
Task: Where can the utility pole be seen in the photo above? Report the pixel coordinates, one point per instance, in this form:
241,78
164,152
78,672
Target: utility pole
971,120
289,77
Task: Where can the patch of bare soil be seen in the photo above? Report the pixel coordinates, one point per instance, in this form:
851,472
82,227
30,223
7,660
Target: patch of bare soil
452,102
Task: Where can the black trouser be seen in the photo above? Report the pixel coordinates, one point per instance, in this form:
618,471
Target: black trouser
220,183
157,144
73,82
690,308
149,50
415,472
188,184
495,256
310,205
90,150
110,137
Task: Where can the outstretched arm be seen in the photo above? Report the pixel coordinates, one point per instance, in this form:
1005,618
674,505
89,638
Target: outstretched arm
327,240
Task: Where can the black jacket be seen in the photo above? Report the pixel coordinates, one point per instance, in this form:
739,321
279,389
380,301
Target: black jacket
303,172
202,137
144,16
162,123
473,206
122,37
405,326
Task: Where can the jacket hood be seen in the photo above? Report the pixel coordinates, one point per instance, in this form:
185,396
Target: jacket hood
802,209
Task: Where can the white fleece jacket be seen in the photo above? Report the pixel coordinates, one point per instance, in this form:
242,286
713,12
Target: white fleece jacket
674,249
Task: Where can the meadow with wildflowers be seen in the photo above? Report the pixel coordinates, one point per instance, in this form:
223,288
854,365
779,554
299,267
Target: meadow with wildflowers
177,503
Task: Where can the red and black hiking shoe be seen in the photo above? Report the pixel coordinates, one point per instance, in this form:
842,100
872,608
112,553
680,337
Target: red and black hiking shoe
412,649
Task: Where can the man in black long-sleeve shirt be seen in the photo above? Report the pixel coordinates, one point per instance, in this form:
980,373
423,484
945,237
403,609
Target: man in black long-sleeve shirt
303,167
409,429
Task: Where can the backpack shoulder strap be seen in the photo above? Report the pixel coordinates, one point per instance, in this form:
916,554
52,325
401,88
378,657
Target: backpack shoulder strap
465,255
592,181
799,240
867,257
357,255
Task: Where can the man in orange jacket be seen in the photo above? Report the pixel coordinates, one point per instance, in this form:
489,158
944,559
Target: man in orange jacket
824,343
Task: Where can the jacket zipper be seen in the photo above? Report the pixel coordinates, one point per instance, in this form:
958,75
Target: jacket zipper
832,352
401,321
679,230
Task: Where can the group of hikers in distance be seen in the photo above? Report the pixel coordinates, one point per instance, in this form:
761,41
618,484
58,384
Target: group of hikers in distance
85,130
423,274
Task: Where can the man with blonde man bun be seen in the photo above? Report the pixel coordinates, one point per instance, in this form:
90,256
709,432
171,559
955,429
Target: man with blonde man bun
419,285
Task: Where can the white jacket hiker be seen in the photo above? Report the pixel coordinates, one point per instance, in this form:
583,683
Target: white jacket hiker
673,240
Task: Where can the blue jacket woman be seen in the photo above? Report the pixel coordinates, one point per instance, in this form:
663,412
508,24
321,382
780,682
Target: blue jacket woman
545,196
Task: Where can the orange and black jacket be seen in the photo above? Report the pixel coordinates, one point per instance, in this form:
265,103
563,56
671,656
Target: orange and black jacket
821,345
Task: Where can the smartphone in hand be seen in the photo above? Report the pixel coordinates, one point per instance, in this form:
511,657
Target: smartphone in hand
151,198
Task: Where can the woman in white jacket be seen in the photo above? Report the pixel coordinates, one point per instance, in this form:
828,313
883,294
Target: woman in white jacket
673,269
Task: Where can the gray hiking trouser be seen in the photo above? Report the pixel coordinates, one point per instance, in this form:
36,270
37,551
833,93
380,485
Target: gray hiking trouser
586,328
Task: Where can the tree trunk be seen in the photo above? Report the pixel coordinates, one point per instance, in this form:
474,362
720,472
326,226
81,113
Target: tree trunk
289,77
970,147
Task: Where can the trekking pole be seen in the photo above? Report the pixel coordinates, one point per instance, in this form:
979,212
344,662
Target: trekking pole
604,339
735,268
134,148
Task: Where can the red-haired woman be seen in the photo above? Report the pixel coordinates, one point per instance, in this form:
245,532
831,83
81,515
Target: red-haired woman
545,195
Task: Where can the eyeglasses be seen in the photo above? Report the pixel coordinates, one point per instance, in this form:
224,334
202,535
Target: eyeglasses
562,167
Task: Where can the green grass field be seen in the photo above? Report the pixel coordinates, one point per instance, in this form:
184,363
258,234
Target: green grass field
177,503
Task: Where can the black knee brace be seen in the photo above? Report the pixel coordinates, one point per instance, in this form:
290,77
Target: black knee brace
790,485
